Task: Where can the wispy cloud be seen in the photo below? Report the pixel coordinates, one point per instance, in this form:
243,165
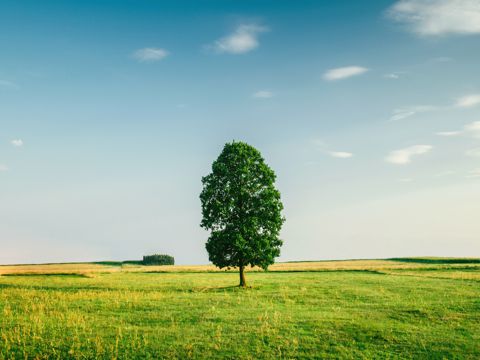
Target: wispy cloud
444,173
405,180
400,114
448,133
392,76
468,101
404,156
441,59
473,174
403,113
340,154
325,148
344,72
472,130
17,142
150,54
244,39
3,167
473,152
319,143
438,17
8,84
263,94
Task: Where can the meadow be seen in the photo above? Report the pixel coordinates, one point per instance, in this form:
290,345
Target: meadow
364,309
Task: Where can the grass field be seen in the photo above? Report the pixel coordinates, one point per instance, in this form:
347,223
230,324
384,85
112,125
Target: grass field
420,308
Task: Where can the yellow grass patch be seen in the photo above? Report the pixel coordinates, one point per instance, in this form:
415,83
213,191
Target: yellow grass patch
89,269
53,269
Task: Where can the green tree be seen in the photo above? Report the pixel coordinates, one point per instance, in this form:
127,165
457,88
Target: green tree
242,209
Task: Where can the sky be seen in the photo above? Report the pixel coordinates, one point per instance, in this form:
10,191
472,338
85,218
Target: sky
112,111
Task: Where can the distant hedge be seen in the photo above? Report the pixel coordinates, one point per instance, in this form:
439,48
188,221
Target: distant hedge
158,259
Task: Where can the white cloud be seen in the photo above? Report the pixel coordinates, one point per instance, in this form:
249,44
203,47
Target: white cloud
404,156
468,101
438,17
263,94
17,142
448,133
405,180
474,174
3,167
150,54
473,152
340,154
344,72
242,40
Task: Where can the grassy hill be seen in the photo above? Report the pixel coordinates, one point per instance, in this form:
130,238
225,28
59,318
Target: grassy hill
400,308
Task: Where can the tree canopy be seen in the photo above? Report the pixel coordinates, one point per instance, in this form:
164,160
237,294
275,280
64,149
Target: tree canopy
242,209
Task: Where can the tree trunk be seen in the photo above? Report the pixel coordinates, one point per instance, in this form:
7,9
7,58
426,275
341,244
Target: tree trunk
243,283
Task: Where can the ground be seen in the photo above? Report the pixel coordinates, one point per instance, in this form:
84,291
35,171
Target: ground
420,308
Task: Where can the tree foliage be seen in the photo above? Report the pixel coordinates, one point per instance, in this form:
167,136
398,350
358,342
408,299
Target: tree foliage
242,209
158,259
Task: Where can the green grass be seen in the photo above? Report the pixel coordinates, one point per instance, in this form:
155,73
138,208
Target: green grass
329,314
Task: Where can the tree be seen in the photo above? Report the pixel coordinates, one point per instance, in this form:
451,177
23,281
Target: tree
242,209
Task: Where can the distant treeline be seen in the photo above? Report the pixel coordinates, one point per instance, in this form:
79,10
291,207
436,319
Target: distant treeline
438,260
156,259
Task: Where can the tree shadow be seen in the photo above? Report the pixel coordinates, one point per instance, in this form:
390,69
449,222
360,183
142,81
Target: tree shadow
214,289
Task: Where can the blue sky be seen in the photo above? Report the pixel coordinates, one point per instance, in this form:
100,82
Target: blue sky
112,111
